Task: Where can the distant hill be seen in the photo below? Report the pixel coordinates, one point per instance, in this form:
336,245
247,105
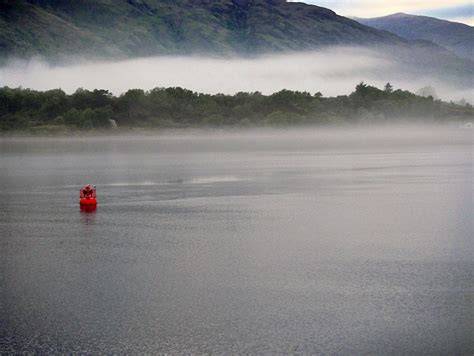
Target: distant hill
454,36
147,27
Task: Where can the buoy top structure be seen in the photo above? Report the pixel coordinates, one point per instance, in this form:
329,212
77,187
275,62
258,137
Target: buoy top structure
88,195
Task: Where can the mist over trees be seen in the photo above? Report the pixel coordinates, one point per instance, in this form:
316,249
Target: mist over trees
55,111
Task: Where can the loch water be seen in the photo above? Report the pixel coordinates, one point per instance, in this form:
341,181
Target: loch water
330,241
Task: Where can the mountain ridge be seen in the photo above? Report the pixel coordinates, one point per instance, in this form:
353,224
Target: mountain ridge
146,27
454,36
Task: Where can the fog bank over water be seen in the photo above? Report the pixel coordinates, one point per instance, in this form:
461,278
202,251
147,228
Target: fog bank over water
333,72
381,137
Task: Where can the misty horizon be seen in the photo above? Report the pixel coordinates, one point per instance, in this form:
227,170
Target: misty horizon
332,71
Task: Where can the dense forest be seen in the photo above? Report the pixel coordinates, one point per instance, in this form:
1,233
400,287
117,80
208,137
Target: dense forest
55,111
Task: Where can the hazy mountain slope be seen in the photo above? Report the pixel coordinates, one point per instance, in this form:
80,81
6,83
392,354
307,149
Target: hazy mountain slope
143,27
114,29
455,36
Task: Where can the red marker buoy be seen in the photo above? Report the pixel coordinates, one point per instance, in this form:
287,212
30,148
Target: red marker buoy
88,196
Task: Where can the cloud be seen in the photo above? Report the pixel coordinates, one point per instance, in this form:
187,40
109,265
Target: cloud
374,8
333,71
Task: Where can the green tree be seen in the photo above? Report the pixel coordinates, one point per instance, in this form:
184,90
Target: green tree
388,88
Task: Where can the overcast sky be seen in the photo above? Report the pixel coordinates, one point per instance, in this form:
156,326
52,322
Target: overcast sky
453,10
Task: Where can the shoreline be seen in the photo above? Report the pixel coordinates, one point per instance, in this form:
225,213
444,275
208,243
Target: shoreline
183,131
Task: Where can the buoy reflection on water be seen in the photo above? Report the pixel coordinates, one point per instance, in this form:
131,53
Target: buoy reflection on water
88,209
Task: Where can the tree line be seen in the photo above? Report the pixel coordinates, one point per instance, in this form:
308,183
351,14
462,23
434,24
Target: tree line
26,109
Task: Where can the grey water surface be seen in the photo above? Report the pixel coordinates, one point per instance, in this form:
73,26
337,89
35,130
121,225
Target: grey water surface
351,241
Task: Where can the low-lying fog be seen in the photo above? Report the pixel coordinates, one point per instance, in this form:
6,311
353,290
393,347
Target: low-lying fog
333,72
376,137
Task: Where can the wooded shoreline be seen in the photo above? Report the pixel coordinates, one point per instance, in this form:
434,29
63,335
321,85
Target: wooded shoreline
53,112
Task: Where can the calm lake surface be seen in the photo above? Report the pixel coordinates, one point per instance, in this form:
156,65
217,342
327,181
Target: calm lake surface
331,241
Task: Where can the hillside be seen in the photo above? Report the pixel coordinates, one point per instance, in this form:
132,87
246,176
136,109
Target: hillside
454,36
59,30
124,28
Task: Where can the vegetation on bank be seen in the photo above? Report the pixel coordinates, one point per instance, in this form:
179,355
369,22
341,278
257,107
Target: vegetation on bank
54,111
